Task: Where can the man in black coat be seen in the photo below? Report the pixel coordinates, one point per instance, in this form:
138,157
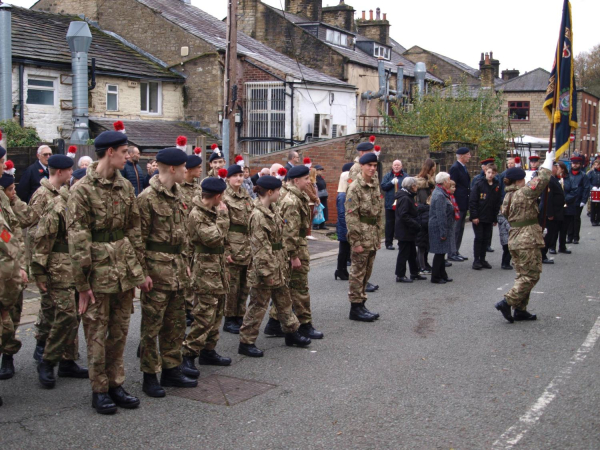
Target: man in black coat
460,175
555,214
293,160
407,228
132,170
33,175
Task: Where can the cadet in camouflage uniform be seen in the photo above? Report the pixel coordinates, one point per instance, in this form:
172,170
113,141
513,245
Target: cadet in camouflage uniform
237,250
216,161
207,230
267,274
363,219
51,267
520,208
164,235
105,246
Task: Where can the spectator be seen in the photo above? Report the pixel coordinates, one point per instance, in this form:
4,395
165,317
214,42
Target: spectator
553,202
341,229
254,178
275,169
247,183
151,170
32,176
441,222
425,186
84,162
391,183
293,159
322,194
460,175
594,178
311,190
570,191
407,228
132,170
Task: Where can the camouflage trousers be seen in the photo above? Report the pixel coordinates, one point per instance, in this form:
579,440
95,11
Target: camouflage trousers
528,265
163,317
257,307
106,324
189,295
12,345
62,341
360,272
204,333
300,295
235,304
42,324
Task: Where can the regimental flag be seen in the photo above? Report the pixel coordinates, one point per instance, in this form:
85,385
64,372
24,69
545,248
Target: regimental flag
560,104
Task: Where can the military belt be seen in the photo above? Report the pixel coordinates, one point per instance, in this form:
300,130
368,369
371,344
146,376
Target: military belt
209,250
302,232
277,246
60,248
107,236
164,248
368,220
238,228
523,223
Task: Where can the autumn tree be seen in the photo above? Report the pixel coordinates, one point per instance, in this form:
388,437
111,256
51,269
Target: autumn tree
587,70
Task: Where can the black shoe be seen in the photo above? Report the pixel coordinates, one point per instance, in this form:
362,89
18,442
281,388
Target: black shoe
70,369
7,369
477,265
139,350
359,313
371,287
403,280
341,275
175,378
38,353
189,368
565,251
231,325
507,267
464,258
504,308
455,258
307,330
524,315
122,398
374,314
151,387
212,358
323,227
447,264
552,251
569,241
240,321
448,280
297,339
424,271
547,261
438,281
575,241
485,264
390,247
273,328
490,250
417,277
46,374
103,404
250,350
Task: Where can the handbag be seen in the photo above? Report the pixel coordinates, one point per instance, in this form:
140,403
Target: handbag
319,216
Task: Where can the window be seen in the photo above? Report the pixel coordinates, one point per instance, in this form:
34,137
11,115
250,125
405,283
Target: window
380,51
335,37
265,110
150,97
40,91
518,111
112,97
594,114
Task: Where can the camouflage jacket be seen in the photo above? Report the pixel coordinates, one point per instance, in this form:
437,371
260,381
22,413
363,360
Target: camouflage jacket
239,206
50,260
356,170
188,192
99,212
26,217
363,214
521,210
269,266
9,250
41,197
295,212
164,235
207,231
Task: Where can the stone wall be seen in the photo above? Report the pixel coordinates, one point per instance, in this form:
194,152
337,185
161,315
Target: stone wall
439,67
538,124
340,16
311,9
378,30
89,8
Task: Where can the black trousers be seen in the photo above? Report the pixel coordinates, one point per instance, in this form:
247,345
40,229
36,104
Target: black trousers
595,212
438,268
390,226
459,229
506,257
575,225
564,231
554,227
343,256
407,252
483,239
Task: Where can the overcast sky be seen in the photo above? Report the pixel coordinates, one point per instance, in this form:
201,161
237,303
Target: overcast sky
521,33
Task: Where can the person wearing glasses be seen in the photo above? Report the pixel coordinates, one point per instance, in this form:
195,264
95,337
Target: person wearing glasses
33,175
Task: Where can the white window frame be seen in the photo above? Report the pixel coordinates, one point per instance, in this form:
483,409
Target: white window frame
108,92
274,110
335,37
41,88
381,51
159,102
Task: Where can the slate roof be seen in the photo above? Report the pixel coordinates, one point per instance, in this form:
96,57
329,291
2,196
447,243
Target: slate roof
536,80
462,66
213,31
41,36
396,47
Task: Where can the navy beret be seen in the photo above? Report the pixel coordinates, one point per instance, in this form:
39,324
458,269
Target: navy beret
213,185
269,182
60,162
79,173
108,139
6,180
2,152
193,161
368,158
346,167
462,151
233,169
365,147
515,174
172,156
216,155
297,172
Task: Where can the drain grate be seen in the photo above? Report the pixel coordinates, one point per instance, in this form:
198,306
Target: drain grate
221,390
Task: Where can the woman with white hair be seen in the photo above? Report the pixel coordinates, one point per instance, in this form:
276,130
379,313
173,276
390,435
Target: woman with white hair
84,162
441,222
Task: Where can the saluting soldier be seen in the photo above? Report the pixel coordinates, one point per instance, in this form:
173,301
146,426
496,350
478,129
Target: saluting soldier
363,219
105,246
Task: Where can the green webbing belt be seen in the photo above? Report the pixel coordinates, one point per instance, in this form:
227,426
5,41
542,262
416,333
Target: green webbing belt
369,220
209,250
524,223
238,228
164,248
277,246
107,236
60,248
302,232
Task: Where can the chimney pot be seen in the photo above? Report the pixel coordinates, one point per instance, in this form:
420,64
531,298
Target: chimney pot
364,17
370,14
384,16
487,58
491,55
378,14
342,2
482,57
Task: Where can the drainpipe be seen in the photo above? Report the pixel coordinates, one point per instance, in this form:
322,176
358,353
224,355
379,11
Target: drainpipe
382,83
292,117
21,102
79,39
5,63
420,71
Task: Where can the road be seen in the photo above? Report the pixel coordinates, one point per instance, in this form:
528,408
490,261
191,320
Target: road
440,369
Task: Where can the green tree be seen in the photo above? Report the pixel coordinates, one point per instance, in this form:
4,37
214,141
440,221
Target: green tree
587,70
19,136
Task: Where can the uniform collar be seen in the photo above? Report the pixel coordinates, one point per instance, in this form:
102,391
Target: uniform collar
197,201
46,183
117,180
241,194
159,187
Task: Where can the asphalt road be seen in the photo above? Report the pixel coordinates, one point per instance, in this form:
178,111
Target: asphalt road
440,369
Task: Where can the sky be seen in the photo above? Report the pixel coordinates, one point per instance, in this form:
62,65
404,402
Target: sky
521,33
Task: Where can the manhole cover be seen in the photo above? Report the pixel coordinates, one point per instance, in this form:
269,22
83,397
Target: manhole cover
221,390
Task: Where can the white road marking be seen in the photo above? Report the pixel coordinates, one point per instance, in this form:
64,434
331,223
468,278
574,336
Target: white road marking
527,421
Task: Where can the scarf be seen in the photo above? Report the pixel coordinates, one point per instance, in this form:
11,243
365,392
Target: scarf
397,174
575,172
456,210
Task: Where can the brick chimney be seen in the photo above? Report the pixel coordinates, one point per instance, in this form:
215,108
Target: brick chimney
510,74
247,15
376,29
487,71
493,62
310,9
340,16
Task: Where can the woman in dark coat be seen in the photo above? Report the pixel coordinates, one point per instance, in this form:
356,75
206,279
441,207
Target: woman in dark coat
425,186
407,227
441,223
342,231
553,202
571,197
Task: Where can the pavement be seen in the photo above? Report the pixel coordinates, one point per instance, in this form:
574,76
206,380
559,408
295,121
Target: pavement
440,369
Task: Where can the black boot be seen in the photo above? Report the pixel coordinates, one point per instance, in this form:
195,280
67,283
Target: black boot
358,312
504,308
273,328
371,287
70,369
307,330
240,321
122,398
38,352
46,374
297,339
524,315
231,325
151,386
212,358
342,275
477,264
485,264
103,404
7,369
189,368
250,350
374,314
175,378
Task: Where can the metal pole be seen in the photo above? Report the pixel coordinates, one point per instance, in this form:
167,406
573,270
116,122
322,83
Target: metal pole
5,63
229,104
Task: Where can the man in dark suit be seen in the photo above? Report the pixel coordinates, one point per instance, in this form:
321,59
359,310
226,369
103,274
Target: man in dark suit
293,160
460,175
32,176
254,178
